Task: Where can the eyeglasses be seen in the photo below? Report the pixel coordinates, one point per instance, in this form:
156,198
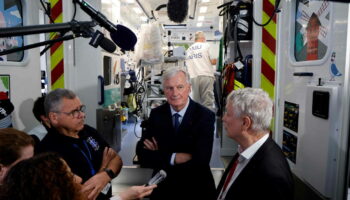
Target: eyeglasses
75,113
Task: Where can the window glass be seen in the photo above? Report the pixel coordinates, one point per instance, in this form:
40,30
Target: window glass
312,28
11,16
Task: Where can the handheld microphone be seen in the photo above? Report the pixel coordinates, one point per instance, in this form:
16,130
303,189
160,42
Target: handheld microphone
160,176
177,10
121,35
98,39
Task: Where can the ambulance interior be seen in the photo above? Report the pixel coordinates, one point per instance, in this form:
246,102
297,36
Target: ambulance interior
112,54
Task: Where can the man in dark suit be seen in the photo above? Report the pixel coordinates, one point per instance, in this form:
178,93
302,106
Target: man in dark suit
259,170
179,140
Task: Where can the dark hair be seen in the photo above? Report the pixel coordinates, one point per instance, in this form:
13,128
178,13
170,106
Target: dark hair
11,143
38,108
43,177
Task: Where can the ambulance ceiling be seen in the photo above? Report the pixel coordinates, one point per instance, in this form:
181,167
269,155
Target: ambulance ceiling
201,13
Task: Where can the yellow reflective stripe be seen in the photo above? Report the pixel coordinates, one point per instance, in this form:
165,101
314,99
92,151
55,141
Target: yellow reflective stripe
268,56
59,19
56,57
271,27
272,2
59,83
238,85
53,2
267,86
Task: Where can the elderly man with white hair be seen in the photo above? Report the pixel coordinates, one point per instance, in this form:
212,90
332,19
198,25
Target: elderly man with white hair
259,170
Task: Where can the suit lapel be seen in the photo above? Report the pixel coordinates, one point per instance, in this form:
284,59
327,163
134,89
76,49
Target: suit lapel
222,181
187,119
168,118
255,161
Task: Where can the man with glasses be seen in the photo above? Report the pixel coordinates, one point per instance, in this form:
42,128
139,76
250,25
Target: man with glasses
80,145
179,140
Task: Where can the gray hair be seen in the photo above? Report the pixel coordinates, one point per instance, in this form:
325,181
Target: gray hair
198,35
53,100
172,71
252,102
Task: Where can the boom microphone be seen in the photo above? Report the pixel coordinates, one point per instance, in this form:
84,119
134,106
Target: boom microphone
124,37
177,10
120,35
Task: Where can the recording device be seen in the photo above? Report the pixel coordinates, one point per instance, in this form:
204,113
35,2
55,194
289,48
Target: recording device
98,39
177,10
160,176
121,35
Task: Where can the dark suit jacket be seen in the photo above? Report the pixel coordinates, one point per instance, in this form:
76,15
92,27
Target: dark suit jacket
266,176
190,180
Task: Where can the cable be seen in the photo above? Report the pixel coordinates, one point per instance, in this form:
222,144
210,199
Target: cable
46,11
226,7
75,11
276,10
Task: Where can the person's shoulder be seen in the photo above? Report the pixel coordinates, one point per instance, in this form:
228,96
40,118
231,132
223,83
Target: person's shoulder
88,130
205,45
273,155
201,110
48,143
161,108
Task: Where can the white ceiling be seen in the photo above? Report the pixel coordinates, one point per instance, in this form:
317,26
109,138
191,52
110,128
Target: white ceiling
209,18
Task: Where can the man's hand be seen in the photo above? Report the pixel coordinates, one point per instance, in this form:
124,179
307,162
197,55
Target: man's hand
182,158
108,155
95,185
136,192
151,145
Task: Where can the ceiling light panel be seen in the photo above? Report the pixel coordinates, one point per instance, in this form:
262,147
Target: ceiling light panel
200,18
137,10
203,9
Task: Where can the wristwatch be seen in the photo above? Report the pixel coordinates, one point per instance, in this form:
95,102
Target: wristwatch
109,172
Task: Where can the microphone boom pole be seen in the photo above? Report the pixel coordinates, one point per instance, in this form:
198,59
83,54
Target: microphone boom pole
78,28
96,15
31,46
45,28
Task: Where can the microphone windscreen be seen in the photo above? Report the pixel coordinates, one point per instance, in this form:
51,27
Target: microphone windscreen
107,45
177,10
124,37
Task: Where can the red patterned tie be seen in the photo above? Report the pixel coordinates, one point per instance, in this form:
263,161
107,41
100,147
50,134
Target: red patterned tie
229,176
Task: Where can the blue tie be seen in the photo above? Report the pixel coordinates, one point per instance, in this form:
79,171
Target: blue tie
176,121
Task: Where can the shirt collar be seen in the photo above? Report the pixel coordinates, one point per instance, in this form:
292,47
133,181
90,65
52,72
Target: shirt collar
181,112
250,151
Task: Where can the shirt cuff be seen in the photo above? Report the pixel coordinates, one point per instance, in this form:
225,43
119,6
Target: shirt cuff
172,159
